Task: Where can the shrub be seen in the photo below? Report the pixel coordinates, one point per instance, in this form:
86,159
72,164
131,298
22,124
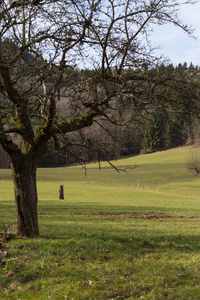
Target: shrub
193,162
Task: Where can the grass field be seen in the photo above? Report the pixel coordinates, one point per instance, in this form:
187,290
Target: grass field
128,235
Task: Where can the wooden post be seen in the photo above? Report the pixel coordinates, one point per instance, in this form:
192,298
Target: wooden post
61,192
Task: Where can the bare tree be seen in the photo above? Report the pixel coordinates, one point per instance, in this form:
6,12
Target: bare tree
41,42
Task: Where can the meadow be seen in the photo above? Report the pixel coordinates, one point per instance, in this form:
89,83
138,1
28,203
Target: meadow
132,234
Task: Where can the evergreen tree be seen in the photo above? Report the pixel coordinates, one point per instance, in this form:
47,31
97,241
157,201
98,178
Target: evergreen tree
155,132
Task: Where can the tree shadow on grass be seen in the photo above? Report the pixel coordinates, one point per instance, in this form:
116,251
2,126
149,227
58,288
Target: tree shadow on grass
62,207
121,241
119,229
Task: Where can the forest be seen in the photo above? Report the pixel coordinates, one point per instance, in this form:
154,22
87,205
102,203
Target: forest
149,129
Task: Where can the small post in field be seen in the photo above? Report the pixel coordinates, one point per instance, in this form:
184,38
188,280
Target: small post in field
61,192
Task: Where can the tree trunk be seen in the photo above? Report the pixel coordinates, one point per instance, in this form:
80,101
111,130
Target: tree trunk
24,178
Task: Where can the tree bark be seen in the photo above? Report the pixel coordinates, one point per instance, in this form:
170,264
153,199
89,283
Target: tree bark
24,179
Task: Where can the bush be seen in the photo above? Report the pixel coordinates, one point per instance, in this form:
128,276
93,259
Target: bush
193,162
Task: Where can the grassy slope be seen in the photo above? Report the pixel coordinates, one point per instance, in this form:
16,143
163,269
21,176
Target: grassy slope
127,235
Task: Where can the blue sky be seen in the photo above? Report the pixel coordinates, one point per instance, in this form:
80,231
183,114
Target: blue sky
177,45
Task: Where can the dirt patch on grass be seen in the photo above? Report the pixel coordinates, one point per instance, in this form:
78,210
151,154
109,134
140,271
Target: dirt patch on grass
149,215
124,215
33,288
144,216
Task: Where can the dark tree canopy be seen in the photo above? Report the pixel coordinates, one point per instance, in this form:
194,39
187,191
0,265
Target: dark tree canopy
41,45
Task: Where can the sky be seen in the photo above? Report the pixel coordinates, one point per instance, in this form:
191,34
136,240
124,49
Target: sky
177,45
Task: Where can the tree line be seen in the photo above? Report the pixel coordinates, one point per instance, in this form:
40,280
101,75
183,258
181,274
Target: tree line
150,130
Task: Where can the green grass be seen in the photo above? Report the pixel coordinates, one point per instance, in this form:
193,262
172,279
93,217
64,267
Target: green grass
127,235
